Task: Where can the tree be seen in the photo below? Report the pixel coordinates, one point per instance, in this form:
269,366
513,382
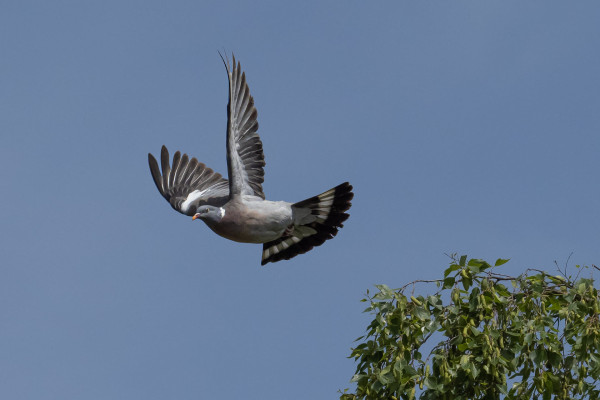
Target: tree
485,335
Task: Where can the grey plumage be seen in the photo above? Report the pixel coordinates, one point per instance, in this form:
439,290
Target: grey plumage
236,208
317,219
188,180
245,159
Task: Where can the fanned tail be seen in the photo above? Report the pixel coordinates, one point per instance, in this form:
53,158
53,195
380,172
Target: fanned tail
316,220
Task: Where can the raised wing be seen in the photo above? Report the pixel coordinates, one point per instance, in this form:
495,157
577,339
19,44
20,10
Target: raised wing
245,159
189,183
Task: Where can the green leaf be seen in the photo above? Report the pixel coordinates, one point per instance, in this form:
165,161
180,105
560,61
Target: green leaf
452,268
410,371
421,313
383,288
475,262
555,359
431,383
385,293
467,282
464,359
547,394
474,370
502,290
448,282
399,366
386,376
539,355
501,261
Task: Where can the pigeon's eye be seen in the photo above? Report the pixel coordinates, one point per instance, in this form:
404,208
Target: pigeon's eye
206,210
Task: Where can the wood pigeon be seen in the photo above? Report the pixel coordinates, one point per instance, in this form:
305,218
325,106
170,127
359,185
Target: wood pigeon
236,208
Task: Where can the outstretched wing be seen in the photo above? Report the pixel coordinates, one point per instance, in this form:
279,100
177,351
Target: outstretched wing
245,159
189,183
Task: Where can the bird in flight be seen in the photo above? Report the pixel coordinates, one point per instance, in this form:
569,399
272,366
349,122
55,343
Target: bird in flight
236,209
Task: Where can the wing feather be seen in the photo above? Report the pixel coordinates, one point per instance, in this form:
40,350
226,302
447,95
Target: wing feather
188,183
245,158
173,174
166,167
155,171
181,173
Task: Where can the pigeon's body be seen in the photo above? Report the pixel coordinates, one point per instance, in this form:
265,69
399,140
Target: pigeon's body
251,219
236,208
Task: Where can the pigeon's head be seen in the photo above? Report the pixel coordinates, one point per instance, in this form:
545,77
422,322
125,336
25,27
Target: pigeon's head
209,214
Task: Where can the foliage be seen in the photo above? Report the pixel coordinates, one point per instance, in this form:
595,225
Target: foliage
538,337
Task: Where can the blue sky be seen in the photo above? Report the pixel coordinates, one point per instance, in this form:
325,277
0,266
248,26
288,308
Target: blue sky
468,127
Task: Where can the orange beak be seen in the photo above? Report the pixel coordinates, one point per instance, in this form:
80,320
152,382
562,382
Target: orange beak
194,217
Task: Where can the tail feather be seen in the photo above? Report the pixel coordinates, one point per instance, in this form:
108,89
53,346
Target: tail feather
316,220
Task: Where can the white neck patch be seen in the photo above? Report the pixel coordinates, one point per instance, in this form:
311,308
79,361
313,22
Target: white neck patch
222,211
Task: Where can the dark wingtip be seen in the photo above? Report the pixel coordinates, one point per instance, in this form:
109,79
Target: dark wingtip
226,62
155,171
164,153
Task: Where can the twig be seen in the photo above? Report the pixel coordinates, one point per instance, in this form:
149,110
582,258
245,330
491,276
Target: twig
420,281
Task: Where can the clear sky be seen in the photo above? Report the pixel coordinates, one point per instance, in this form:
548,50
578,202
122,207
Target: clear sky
464,126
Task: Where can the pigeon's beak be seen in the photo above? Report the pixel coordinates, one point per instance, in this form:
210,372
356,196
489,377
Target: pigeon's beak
195,216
